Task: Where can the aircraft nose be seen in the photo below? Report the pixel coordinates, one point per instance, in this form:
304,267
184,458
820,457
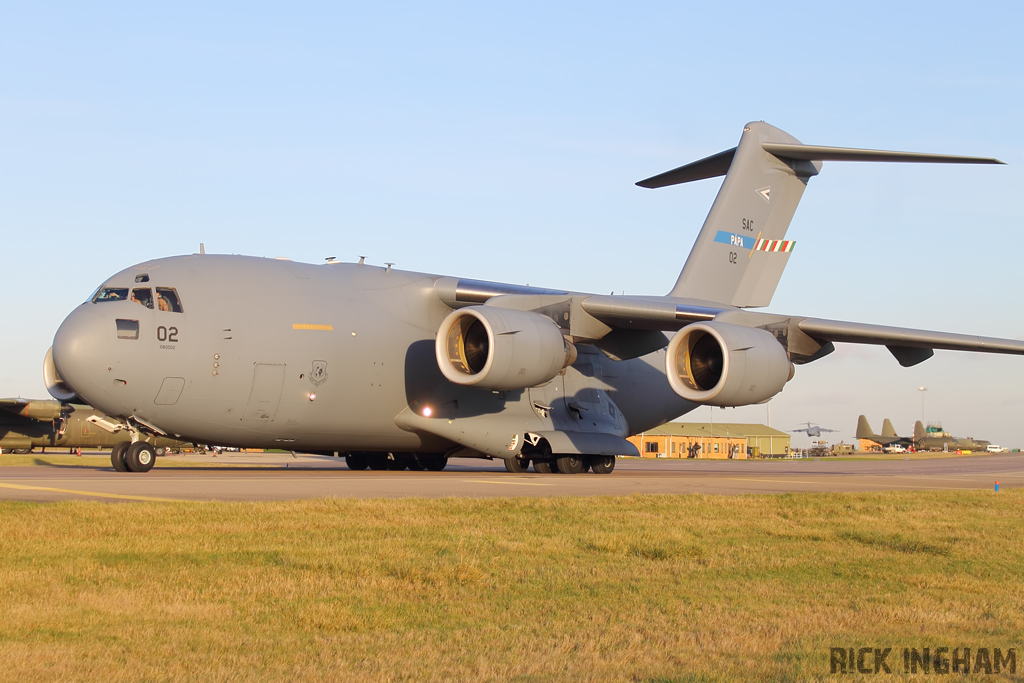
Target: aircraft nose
79,352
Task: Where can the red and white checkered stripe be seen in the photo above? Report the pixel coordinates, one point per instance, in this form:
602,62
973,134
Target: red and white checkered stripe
784,246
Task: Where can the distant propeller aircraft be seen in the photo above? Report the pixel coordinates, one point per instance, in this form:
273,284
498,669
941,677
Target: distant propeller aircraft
403,369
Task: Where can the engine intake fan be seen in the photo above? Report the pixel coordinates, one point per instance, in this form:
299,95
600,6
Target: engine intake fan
721,364
498,348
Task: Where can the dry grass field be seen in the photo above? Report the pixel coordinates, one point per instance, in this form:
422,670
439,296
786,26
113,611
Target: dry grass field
638,588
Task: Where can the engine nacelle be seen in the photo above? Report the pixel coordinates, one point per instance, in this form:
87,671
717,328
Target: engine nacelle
500,348
54,384
721,364
40,410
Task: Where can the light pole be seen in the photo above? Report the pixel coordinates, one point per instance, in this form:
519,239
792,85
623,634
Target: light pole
922,390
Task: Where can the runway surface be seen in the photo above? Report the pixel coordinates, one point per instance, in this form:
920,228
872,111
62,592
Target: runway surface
284,477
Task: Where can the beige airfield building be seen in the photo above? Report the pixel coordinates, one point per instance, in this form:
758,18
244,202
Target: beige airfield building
722,440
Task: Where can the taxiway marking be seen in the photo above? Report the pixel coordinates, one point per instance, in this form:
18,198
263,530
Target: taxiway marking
513,483
90,493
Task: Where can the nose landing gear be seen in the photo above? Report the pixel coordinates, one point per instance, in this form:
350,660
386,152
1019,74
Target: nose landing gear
133,457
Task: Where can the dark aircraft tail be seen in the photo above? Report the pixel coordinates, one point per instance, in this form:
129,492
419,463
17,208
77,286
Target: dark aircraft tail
887,429
919,431
741,251
864,430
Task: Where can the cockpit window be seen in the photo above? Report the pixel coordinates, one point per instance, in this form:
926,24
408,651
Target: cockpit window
167,299
111,294
142,278
143,295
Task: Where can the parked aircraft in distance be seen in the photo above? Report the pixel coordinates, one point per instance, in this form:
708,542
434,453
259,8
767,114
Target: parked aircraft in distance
400,369
888,437
813,430
28,423
934,438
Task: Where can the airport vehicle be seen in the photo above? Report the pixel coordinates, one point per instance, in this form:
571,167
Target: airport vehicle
895,448
31,423
408,369
812,430
993,448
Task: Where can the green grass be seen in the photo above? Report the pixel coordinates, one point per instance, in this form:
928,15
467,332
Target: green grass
635,588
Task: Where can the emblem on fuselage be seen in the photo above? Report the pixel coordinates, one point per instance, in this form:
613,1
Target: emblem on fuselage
318,375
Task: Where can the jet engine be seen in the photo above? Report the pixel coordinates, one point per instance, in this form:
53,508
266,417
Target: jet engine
721,364
54,384
499,348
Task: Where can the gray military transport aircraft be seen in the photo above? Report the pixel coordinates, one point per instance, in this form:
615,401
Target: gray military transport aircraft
398,369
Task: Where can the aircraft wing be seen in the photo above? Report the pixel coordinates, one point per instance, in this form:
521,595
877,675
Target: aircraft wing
909,346
33,409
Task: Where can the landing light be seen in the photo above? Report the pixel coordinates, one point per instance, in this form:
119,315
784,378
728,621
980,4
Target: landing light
312,396
427,412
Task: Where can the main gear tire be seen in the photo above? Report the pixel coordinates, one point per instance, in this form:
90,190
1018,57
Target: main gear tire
517,465
356,461
602,464
544,467
571,464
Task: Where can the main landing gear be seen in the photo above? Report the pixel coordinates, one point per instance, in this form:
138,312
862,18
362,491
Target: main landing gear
133,457
417,462
565,464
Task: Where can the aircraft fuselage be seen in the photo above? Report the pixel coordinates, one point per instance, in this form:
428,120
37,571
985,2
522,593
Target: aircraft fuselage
277,354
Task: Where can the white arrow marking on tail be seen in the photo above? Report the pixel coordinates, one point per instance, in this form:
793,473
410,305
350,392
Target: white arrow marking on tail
764,192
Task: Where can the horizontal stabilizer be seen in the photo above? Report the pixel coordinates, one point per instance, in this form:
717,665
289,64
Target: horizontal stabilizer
819,153
708,167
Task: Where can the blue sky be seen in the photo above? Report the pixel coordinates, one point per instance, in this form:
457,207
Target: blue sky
503,143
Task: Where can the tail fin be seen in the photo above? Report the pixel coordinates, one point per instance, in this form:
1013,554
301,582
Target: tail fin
864,430
887,428
919,431
740,252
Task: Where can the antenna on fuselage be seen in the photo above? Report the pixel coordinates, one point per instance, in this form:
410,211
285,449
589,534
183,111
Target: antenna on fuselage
362,260
202,248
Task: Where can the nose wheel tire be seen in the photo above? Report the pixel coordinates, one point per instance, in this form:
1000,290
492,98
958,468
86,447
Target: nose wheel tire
140,457
117,454
602,464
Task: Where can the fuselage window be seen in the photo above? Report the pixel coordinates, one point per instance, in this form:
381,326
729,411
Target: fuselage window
143,295
167,299
111,294
127,329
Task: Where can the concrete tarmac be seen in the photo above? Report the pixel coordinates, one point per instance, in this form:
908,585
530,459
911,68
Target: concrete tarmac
256,477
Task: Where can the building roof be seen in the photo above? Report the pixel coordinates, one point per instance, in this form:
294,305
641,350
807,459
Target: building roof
722,429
